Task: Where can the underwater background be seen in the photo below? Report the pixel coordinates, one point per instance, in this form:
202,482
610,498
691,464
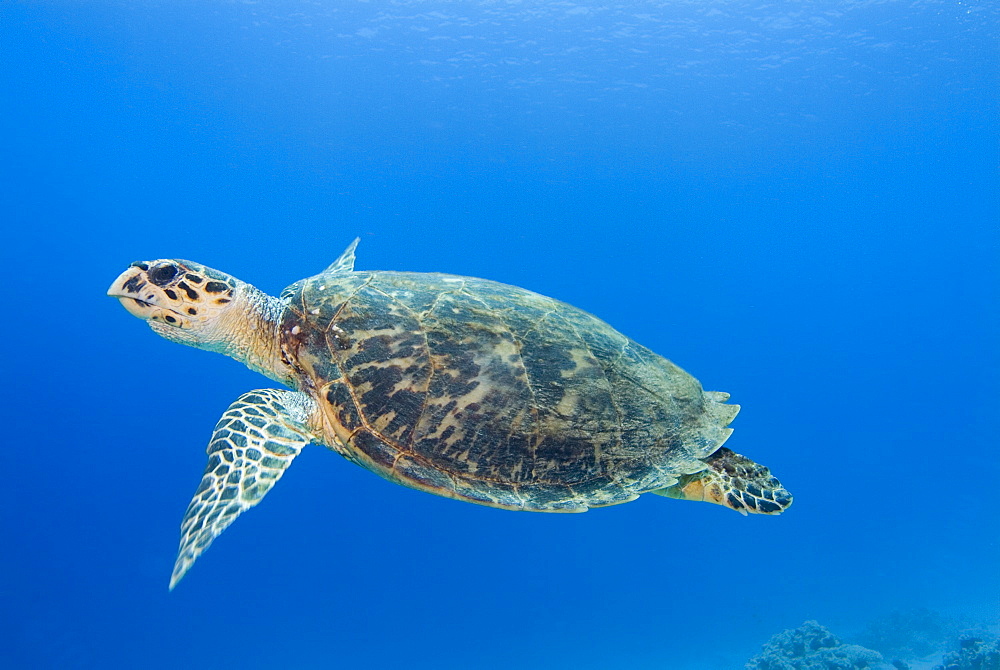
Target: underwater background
797,202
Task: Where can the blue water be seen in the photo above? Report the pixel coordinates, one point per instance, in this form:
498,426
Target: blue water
797,202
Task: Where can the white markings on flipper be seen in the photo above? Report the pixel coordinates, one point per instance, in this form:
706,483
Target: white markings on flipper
253,443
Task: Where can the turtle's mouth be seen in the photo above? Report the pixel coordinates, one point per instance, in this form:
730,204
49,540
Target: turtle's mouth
128,289
136,307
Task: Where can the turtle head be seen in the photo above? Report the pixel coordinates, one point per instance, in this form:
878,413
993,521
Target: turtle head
182,301
195,305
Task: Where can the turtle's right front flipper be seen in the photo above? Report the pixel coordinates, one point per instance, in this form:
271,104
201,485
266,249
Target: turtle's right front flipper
253,443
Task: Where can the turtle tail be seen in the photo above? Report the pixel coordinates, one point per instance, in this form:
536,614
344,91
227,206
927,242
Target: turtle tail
735,481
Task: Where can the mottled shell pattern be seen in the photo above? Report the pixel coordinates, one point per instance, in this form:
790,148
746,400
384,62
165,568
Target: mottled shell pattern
493,394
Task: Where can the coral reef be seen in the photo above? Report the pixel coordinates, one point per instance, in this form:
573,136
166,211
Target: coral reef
973,653
813,647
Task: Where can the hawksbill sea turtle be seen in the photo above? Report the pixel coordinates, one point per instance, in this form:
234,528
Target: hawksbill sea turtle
462,387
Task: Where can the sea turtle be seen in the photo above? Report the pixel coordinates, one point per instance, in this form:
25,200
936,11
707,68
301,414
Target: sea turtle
462,387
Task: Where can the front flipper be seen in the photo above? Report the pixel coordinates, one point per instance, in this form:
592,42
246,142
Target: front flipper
735,481
253,443
345,263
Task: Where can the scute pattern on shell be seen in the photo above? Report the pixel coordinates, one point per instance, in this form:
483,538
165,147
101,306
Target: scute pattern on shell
495,394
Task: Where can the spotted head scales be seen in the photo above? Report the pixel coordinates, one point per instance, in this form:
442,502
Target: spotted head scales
461,387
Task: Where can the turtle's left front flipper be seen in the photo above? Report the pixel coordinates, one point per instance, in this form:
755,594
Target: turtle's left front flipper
253,443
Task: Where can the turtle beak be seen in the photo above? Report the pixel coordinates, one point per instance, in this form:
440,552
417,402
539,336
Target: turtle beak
127,288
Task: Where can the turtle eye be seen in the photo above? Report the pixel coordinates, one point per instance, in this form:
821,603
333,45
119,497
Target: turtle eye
162,274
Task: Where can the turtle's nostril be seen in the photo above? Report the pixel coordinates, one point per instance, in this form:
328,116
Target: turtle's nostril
134,284
139,264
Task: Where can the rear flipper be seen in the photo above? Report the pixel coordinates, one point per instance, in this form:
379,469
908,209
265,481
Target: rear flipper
734,481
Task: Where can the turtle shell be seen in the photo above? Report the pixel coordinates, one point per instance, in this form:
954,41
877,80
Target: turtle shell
490,393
